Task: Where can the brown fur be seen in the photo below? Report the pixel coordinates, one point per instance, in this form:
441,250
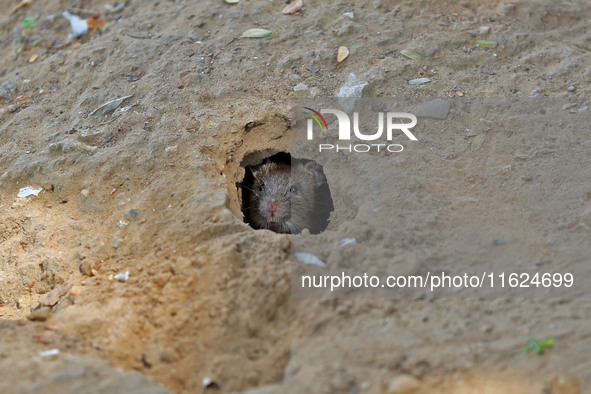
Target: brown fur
283,197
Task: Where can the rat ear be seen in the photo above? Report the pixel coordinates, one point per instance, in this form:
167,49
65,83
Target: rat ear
316,170
253,172
256,171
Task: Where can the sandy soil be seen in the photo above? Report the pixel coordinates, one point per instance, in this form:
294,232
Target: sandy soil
151,189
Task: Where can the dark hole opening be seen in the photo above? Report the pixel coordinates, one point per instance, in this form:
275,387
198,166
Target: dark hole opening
286,195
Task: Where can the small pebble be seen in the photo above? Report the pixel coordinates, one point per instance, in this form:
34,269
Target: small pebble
483,30
310,259
7,90
40,314
543,262
349,15
497,241
28,191
571,88
403,384
49,353
86,268
75,290
122,277
418,81
300,86
344,241
569,106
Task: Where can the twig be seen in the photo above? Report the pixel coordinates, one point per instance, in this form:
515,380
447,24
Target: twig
73,4
138,37
83,11
223,46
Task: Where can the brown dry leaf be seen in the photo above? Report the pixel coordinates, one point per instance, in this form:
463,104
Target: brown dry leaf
33,58
22,4
95,23
342,54
293,7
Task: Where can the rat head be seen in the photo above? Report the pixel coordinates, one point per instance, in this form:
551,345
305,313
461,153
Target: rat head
283,196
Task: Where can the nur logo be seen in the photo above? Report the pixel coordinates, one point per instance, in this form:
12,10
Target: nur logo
393,122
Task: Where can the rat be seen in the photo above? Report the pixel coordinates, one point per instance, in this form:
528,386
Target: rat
284,197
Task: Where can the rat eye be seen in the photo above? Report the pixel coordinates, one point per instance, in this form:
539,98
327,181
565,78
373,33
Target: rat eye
293,190
262,187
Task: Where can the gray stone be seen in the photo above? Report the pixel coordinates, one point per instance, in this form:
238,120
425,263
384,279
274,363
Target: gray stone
70,146
7,89
436,109
483,30
53,297
300,86
40,314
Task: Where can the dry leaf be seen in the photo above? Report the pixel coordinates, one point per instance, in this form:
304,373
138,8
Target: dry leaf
33,58
477,142
411,55
484,44
342,54
22,4
293,7
95,23
256,33
481,112
479,129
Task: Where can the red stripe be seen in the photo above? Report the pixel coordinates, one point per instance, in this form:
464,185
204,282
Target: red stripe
321,117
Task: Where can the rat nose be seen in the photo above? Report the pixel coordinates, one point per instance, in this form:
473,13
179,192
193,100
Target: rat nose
273,207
